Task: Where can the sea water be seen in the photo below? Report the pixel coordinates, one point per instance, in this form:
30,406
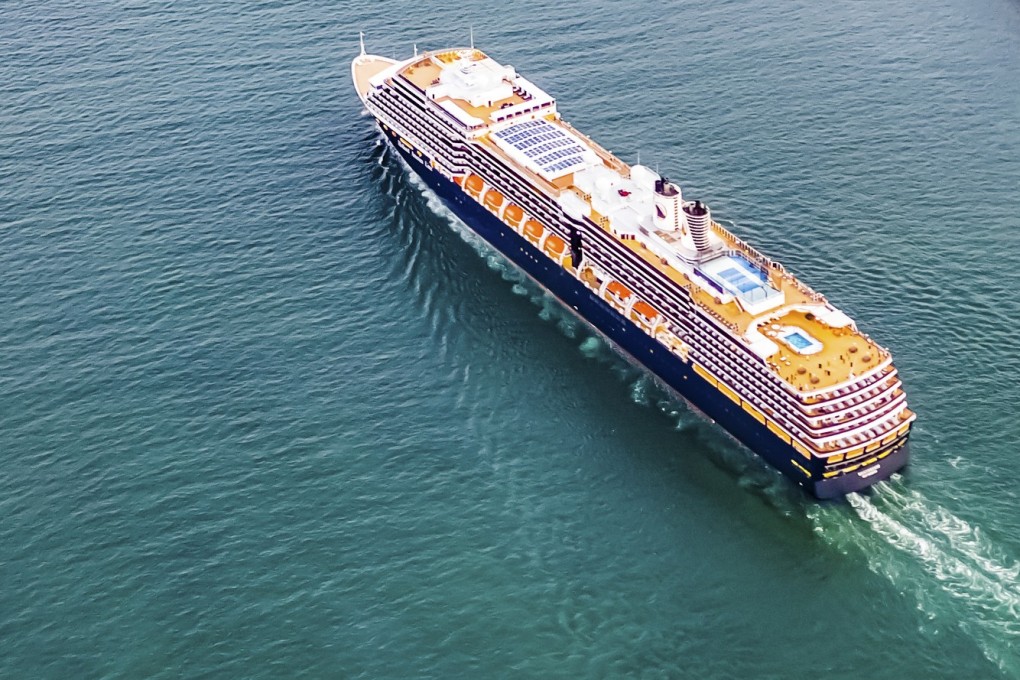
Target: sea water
268,410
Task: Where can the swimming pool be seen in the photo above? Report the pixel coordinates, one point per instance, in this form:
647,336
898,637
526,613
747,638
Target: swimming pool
797,339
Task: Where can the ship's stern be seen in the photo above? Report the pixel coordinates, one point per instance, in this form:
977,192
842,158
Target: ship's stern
867,474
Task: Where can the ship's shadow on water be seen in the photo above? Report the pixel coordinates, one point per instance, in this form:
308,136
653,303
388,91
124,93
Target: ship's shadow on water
441,258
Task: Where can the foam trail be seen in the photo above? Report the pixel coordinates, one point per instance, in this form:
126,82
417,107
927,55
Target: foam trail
437,206
965,538
966,569
591,347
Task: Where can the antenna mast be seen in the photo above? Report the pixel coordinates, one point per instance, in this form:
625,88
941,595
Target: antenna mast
361,39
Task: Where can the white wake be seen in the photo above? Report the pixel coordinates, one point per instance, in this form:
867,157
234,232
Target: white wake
956,572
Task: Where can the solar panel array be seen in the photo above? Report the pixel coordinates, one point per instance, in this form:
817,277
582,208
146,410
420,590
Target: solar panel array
544,144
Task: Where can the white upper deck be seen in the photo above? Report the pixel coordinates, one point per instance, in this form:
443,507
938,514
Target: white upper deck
476,90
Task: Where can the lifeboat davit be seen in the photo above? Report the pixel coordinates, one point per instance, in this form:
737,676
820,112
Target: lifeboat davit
644,314
616,289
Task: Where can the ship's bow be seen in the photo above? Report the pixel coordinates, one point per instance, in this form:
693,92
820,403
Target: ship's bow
364,68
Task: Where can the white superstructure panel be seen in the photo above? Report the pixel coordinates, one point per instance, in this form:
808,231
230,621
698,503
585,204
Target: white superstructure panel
480,83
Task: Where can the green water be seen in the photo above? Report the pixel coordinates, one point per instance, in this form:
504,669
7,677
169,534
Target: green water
266,410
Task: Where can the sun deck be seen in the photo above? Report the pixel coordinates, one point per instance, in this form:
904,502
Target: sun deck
844,353
425,74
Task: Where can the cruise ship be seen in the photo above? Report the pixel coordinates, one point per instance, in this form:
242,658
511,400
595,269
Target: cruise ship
731,330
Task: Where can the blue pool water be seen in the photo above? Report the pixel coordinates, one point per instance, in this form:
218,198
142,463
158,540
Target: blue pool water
798,340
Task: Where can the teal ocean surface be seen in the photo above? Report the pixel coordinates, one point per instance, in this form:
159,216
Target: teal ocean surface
267,411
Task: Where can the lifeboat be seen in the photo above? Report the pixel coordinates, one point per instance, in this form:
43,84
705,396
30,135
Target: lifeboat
644,314
554,247
493,200
513,215
619,291
616,294
533,231
474,185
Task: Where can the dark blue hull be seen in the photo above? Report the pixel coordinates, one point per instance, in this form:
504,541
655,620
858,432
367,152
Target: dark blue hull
646,350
